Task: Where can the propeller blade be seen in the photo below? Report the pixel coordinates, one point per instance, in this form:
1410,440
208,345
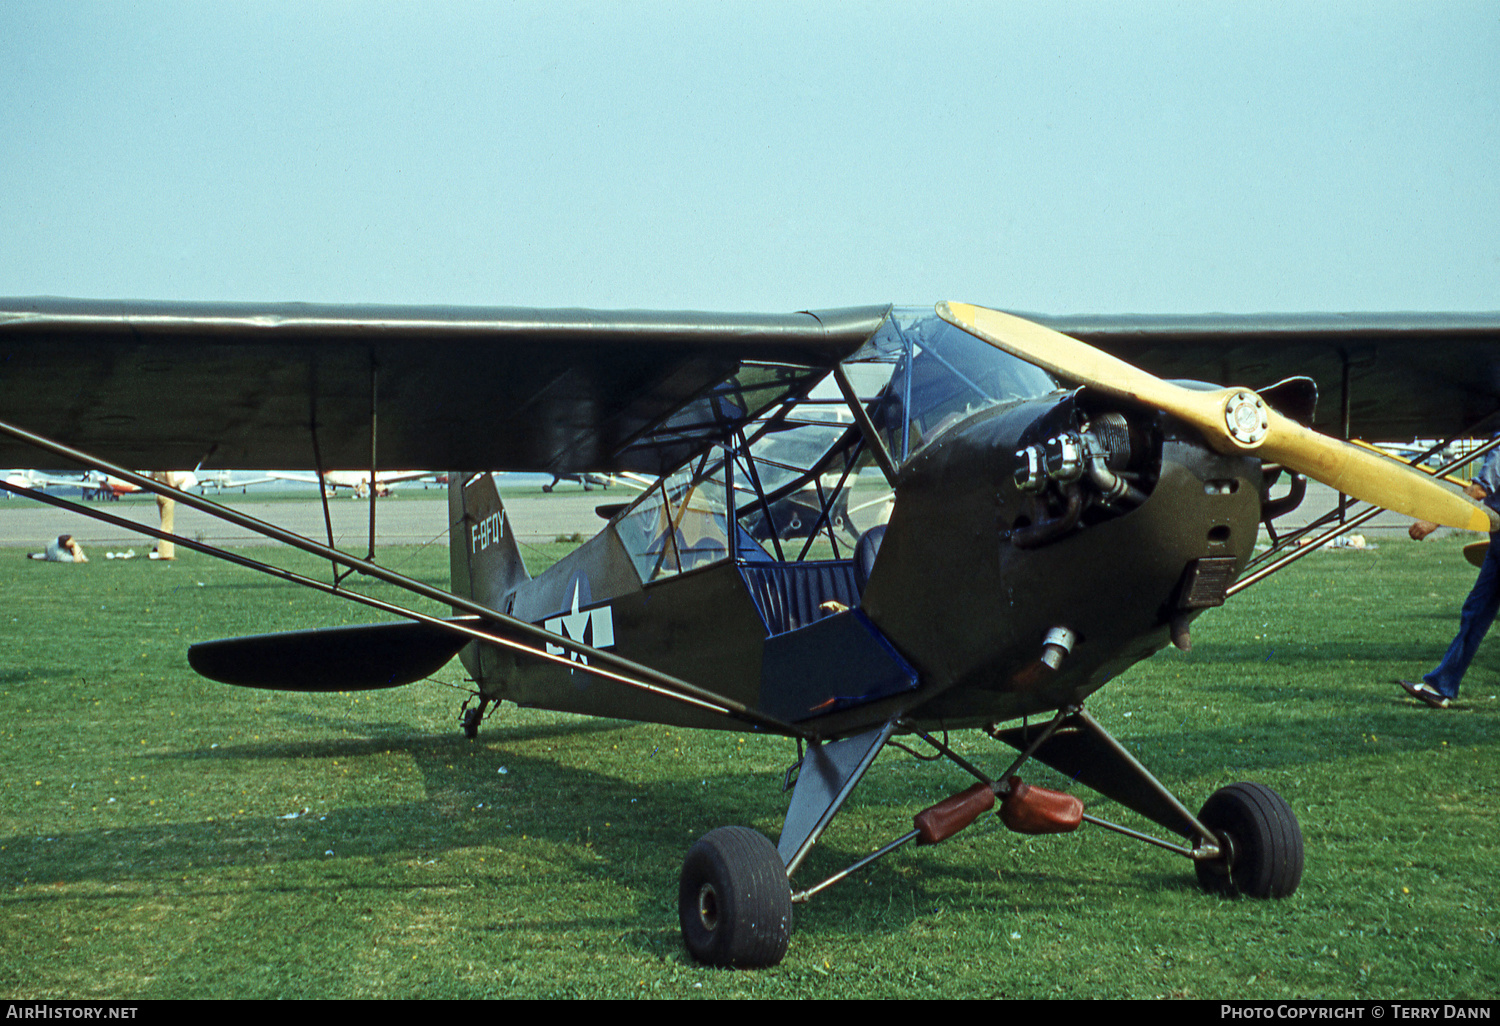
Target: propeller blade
1374,478
1234,421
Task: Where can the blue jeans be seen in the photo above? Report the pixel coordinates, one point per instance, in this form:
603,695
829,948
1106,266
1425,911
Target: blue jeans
1478,613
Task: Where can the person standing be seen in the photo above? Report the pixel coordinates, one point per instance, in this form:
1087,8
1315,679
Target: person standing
1439,687
166,509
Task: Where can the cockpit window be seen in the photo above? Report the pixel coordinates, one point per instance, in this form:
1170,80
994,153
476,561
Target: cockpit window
680,523
938,375
779,478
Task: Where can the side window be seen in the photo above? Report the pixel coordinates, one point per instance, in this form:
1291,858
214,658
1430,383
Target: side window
681,523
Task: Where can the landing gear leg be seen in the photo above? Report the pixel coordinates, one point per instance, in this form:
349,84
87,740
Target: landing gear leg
472,717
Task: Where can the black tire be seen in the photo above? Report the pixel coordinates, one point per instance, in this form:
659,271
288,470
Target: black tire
734,901
1263,843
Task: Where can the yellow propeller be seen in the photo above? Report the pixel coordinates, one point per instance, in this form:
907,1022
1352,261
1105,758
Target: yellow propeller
1234,421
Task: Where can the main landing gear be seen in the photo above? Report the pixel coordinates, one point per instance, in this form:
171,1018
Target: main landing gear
1261,841
735,895
734,900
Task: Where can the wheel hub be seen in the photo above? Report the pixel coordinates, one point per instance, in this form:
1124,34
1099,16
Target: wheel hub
708,907
1223,864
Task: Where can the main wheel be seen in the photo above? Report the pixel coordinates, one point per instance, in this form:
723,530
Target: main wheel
733,901
1262,841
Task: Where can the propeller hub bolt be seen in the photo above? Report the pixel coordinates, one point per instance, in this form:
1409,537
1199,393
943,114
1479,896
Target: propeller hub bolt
1245,416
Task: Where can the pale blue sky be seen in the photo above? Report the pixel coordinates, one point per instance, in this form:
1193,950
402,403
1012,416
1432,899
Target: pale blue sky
1053,157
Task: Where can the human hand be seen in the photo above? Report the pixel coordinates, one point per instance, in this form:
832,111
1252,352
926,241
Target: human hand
1421,529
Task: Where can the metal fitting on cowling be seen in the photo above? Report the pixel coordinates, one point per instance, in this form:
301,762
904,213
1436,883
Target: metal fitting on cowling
1061,458
1058,643
1065,457
1031,474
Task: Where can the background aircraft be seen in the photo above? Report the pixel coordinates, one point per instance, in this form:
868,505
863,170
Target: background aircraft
228,480
40,479
1058,516
90,484
589,481
357,481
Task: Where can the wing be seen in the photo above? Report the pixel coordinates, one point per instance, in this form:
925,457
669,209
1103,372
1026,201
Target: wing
1400,376
239,385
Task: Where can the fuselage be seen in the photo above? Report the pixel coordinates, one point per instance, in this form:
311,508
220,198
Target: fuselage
1031,513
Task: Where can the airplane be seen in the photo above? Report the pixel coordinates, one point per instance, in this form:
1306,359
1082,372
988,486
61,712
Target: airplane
1059,514
227,481
91,485
110,488
39,479
357,481
589,481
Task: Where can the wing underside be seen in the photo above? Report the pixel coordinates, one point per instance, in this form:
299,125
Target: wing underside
1382,377
179,385
184,385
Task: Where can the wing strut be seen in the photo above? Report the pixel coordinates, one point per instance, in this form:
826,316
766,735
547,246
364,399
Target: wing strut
601,663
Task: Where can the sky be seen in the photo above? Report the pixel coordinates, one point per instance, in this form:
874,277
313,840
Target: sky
1045,156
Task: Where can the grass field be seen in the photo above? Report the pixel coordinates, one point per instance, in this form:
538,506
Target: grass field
162,836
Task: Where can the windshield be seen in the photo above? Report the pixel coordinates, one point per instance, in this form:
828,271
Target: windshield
932,375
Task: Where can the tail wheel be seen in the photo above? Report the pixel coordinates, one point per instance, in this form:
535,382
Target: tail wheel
1262,842
471,721
734,902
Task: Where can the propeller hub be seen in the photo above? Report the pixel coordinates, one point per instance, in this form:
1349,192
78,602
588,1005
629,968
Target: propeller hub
1245,416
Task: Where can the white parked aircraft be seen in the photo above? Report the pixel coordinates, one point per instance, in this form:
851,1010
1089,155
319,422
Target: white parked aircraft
356,480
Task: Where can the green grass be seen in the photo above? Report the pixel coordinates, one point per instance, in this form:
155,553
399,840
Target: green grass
162,836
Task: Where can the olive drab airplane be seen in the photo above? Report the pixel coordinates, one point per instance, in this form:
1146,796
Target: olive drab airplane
1058,514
